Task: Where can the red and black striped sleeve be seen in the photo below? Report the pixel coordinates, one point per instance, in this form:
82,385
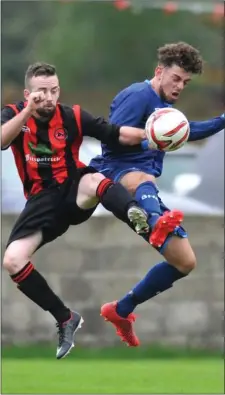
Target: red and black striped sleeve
99,129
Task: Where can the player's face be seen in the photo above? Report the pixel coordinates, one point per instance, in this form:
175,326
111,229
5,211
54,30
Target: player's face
172,81
49,85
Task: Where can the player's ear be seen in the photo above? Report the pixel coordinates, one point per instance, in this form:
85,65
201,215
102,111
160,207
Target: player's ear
158,71
26,94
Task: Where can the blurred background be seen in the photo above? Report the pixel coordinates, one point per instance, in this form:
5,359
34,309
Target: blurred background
100,47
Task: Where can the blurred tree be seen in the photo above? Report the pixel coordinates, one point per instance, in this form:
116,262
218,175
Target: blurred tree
94,45
98,49
22,21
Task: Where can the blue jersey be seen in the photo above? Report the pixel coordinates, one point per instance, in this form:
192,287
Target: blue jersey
132,107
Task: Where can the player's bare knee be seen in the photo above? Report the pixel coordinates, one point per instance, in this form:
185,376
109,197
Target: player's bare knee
96,179
86,196
190,262
13,262
185,264
19,252
88,184
180,255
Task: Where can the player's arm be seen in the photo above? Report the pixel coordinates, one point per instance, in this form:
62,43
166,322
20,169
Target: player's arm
204,129
110,134
12,124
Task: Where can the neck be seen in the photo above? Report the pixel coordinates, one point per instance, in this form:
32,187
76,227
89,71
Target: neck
155,85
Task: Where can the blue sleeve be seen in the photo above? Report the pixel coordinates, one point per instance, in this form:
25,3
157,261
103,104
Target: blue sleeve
130,111
204,129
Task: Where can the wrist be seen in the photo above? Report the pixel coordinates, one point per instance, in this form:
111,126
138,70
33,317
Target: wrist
27,113
143,135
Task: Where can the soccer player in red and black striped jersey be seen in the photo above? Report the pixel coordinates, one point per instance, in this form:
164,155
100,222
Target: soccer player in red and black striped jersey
45,137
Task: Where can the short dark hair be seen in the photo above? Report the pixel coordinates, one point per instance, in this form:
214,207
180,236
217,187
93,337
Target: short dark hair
37,69
182,55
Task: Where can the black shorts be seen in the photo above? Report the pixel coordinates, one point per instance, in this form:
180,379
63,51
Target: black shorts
52,211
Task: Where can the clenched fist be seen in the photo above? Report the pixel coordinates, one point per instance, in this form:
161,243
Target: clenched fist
34,100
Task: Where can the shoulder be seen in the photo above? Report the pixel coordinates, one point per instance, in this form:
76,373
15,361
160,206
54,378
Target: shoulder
137,90
10,110
15,106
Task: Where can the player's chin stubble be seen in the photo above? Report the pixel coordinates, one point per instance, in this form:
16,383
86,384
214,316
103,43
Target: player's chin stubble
44,113
165,98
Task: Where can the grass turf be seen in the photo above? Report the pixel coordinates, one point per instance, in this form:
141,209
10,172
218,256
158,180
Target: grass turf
105,376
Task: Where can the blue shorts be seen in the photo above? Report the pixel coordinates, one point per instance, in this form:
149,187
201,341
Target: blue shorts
115,170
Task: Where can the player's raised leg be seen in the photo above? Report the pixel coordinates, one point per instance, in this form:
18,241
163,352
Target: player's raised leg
17,261
114,197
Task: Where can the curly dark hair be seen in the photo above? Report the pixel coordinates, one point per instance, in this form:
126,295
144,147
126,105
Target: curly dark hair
37,69
182,55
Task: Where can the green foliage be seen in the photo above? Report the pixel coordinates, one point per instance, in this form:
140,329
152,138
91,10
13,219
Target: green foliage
95,45
98,50
92,43
22,21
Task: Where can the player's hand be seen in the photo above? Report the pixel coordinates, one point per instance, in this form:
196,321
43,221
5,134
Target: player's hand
34,100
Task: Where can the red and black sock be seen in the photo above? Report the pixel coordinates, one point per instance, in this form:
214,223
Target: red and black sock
115,198
35,287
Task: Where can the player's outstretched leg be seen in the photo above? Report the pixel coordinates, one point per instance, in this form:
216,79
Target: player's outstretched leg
32,284
94,188
115,198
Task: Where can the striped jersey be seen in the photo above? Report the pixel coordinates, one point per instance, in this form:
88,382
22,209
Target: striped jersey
47,152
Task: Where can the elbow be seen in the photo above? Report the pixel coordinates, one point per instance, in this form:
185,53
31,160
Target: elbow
4,144
4,147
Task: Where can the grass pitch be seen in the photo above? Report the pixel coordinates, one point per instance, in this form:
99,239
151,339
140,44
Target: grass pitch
108,372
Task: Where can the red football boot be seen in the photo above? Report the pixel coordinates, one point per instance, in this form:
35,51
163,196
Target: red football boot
124,326
165,225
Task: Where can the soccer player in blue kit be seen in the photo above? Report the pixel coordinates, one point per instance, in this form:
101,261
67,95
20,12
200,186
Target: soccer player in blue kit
137,170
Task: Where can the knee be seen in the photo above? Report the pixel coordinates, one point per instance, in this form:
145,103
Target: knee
189,263
89,185
185,264
12,261
179,254
96,179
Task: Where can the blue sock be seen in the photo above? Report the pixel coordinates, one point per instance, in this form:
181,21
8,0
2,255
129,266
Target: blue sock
159,278
147,197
